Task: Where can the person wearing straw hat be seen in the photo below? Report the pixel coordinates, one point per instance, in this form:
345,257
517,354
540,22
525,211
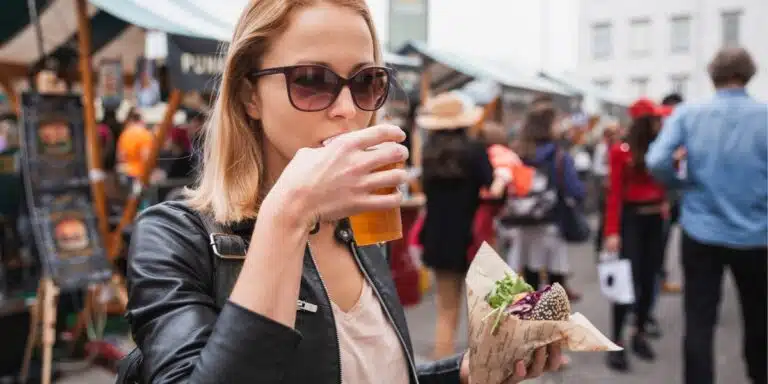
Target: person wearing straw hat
455,168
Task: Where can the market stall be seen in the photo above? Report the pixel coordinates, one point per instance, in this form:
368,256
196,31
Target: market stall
61,150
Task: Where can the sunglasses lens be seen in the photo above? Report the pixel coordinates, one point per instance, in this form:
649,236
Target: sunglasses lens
369,88
312,88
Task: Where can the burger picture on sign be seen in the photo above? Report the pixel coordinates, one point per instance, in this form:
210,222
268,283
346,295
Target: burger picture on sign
71,235
55,137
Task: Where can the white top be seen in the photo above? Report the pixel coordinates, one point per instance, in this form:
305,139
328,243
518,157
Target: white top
600,163
370,349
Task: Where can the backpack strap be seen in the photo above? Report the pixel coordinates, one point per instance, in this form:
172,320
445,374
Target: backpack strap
560,170
229,252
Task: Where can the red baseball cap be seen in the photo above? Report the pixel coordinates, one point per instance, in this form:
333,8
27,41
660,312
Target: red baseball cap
646,107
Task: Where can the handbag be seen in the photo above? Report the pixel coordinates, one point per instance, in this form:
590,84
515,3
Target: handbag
569,215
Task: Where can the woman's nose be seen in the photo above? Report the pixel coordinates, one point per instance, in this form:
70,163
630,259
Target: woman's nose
344,106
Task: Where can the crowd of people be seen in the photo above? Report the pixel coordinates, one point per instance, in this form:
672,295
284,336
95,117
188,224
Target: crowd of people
664,165
126,139
702,164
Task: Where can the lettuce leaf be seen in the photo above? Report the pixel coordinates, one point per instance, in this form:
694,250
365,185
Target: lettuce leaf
506,289
503,294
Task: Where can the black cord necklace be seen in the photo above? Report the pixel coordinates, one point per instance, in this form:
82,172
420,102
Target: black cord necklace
342,231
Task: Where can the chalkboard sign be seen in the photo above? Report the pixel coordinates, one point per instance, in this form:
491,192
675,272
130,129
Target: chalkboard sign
58,191
53,136
69,241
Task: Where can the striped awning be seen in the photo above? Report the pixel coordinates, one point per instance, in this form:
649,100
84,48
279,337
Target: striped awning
118,27
58,20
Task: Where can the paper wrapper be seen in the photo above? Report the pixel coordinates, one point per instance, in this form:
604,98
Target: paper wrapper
492,356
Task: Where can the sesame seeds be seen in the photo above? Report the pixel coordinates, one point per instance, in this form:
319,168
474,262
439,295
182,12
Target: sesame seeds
553,305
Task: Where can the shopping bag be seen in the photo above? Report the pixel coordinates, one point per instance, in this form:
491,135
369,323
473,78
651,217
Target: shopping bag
616,280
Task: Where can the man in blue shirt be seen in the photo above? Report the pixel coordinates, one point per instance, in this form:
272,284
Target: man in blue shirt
724,210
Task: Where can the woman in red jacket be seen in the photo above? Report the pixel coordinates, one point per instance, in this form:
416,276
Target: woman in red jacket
634,222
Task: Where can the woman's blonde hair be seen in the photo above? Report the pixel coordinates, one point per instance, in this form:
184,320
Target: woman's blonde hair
230,185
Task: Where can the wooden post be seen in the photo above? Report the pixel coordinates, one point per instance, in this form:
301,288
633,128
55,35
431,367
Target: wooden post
132,205
42,323
35,313
50,299
96,172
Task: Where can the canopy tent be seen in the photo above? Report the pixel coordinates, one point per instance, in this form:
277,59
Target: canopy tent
18,39
450,70
444,71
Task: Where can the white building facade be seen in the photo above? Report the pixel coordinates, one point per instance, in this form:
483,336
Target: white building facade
653,47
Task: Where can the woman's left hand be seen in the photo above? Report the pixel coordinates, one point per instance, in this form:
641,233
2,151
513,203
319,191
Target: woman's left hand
545,359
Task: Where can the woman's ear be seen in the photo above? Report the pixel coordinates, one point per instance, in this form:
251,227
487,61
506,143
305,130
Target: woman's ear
250,99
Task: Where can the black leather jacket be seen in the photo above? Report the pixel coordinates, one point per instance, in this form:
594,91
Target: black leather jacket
186,338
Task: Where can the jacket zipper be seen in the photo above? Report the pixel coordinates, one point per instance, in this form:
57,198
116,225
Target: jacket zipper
328,298
411,363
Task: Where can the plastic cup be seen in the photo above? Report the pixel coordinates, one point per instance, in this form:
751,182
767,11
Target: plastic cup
378,226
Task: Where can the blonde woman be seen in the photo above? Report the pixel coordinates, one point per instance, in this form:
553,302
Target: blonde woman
285,162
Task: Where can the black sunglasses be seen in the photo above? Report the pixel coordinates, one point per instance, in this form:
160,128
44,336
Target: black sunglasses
312,88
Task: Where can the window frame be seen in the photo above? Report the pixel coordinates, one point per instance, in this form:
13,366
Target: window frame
736,14
604,83
640,28
600,52
674,39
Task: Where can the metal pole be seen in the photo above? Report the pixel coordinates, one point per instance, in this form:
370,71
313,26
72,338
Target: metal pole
35,20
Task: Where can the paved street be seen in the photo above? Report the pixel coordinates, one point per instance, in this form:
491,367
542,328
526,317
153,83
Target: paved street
589,367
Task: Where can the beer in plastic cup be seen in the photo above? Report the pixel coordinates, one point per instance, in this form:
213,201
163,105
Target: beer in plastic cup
378,226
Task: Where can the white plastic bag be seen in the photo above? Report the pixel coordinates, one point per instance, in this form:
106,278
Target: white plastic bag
616,279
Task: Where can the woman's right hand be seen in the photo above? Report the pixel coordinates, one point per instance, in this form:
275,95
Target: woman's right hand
340,178
612,243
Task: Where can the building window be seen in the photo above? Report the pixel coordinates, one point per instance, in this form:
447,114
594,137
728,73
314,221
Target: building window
639,86
731,24
640,37
603,83
601,41
679,83
680,34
